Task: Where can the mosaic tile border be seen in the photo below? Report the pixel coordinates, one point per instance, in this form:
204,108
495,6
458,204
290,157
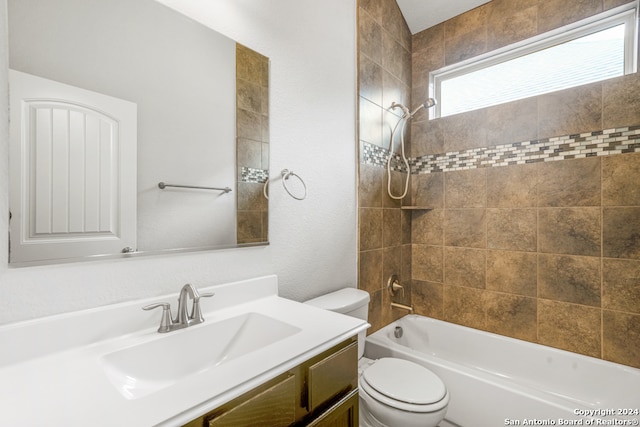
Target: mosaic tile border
600,143
377,156
258,176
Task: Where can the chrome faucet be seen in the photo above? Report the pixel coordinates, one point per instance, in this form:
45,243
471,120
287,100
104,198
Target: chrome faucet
183,318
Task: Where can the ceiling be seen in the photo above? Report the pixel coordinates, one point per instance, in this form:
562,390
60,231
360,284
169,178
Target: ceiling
422,14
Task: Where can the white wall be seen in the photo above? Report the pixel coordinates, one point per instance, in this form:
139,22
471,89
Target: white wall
313,242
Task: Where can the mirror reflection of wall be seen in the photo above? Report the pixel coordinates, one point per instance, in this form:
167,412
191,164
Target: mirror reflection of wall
252,121
182,76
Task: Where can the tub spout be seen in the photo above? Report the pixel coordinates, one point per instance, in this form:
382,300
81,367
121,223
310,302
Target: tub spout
402,307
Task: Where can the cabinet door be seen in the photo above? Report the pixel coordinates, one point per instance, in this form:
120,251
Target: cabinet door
342,414
275,407
333,376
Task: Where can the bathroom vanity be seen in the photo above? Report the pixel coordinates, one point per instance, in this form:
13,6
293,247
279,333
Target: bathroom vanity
255,356
321,391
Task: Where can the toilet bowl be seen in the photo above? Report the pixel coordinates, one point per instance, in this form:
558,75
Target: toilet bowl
393,392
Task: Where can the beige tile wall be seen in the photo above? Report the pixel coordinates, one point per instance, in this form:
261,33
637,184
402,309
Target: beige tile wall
545,252
384,77
252,142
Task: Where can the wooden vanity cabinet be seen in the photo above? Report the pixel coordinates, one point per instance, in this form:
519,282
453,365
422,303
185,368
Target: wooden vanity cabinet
320,392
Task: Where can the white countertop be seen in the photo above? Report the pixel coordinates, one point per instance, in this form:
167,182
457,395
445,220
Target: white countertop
50,370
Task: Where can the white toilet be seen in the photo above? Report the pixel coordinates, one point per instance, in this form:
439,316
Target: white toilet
393,392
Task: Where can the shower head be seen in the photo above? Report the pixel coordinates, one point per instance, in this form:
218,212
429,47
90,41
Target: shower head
430,102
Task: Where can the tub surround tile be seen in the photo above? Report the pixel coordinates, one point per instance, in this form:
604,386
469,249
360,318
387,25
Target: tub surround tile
392,264
428,227
405,224
395,58
370,270
376,319
370,120
370,229
464,131
427,137
620,178
569,279
621,343
427,263
394,90
508,23
391,227
556,13
369,36
406,272
569,183
428,299
574,231
570,327
621,101
465,267
370,80
621,285
511,229
512,272
370,186
607,142
557,189
512,187
428,190
465,306
512,315
466,189
465,227
621,232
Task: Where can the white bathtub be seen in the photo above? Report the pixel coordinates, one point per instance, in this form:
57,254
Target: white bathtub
497,381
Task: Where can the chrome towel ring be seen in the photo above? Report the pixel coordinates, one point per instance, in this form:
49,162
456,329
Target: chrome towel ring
286,174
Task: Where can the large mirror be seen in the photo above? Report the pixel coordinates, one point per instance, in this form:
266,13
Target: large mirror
110,98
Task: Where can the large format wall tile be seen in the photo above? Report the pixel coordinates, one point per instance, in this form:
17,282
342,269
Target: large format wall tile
621,232
465,227
569,327
621,332
569,183
512,272
569,278
511,229
573,231
465,267
512,187
621,285
427,263
512,315
620,180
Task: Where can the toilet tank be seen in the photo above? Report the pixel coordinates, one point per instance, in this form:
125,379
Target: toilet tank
350,301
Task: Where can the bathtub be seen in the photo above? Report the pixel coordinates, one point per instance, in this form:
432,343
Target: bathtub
497,381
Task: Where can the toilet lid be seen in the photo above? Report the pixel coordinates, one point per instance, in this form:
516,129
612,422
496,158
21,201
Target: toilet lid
405,381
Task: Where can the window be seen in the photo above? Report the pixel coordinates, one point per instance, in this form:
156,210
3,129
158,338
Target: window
592,50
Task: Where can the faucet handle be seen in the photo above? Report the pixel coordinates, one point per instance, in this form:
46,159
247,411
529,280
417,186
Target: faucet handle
196,313
165,321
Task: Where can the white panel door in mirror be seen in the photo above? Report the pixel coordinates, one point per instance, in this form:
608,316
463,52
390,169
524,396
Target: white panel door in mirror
73,190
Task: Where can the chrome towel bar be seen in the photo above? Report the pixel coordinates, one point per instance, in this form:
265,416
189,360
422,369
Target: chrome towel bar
163,185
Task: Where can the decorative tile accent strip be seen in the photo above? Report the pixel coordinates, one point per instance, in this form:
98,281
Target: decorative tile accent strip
258,176
377,156
600,143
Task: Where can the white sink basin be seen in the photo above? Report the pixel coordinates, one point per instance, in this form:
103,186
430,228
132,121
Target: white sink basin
151,366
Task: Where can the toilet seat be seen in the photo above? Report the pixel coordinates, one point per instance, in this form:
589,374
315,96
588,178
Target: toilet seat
404,385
